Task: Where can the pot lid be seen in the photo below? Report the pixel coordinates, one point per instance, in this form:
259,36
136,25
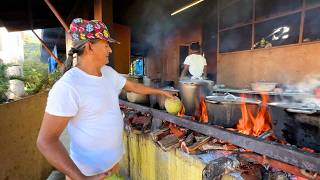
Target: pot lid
296,105
170,89
229,98
196,81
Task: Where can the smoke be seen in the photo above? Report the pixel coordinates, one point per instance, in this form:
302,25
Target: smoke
151,22
307,91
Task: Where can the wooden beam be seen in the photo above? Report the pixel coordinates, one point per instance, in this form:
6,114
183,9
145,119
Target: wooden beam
55,12
97,10
303,14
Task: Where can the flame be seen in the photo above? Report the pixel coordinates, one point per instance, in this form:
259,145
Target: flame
249,124
203,113
181,112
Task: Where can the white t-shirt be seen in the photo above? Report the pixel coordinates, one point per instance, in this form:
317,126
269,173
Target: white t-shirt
196,64
96,126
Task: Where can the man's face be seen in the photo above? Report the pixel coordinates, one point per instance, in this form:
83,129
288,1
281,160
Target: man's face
102,50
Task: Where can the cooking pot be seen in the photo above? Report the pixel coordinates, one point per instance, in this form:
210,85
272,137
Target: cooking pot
263,86
296,123
225,110
191,91
137,98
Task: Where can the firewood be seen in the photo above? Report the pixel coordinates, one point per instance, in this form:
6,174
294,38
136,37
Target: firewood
156,135
169,142
219,167
198,144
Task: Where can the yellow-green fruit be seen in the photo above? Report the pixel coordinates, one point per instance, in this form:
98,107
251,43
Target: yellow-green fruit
173,105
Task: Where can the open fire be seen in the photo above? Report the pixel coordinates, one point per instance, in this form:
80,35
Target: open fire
250,124
201,113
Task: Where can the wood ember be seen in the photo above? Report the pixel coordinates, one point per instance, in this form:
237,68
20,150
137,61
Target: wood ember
280,165
179,132
250,171
137,122
159,134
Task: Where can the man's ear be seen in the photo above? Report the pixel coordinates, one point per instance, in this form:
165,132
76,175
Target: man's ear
89,48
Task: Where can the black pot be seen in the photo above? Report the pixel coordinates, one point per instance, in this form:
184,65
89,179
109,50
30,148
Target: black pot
297,126
226,113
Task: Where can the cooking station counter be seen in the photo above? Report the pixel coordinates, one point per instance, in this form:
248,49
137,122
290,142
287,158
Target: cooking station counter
285,153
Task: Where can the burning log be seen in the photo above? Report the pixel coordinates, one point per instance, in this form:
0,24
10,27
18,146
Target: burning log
219,167
245,171
159,134
188,147
280,165
137,122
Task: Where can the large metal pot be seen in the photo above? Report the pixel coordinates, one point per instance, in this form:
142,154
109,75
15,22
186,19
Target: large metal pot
191,91
296,124
226,110
137,98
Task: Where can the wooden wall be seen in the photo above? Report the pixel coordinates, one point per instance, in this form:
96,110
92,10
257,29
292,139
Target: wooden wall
165,59
121,52
285,64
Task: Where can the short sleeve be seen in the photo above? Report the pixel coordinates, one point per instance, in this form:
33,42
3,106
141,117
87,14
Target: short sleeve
62,100
187,60
121,81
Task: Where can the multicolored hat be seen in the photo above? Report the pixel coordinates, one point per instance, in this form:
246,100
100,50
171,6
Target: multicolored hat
81,29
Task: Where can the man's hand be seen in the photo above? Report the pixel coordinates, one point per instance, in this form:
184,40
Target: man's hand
168,94
101,176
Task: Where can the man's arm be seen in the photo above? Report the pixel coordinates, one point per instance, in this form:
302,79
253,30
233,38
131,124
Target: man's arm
141,89
205,71
184,71
53,150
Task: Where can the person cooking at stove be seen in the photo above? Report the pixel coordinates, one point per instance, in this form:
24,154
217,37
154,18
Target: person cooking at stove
195,63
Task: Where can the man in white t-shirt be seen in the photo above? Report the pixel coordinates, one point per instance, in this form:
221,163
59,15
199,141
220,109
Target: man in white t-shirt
195,63
85,100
